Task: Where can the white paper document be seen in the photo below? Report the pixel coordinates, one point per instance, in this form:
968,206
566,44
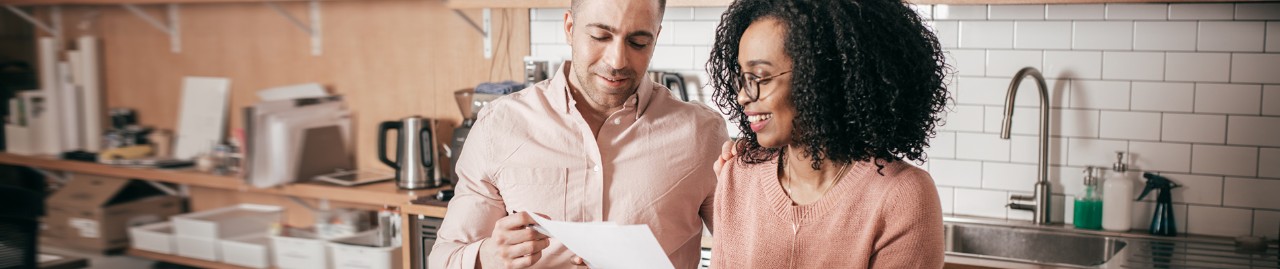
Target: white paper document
202,120
607,245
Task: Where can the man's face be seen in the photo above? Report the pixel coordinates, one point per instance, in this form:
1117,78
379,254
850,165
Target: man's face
612,43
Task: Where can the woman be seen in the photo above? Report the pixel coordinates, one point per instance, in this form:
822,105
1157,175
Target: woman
833,97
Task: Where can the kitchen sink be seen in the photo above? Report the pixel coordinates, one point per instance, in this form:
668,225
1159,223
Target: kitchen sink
1030,245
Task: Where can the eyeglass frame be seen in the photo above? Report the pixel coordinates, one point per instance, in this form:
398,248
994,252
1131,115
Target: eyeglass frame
744,89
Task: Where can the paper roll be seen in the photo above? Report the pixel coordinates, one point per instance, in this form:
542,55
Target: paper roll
90,93
69,108
52,131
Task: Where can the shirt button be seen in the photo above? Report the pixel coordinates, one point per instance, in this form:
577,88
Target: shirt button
595,168
617,121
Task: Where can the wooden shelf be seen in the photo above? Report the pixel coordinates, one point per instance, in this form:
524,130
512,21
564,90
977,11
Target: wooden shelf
462,4
430,210
179,259
384,193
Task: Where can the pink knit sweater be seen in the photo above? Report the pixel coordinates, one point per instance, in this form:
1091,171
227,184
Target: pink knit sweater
865,221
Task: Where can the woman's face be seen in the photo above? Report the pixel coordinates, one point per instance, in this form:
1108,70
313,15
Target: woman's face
761,54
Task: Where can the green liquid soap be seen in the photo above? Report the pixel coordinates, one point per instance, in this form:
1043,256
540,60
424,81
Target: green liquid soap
1088,214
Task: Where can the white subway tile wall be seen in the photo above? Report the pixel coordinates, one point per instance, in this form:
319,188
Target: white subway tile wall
1220,221
1195,128
986,34
1162,96
1156,156
1161,35
1137,11
1255,68
1016,12
1231,36
1191,89
1042,35
1271,99
1224,160
1075,12
1228,98
1197,66
1273,36
1268,162
1251,11
1264,221
946,195
1103,35
1201,11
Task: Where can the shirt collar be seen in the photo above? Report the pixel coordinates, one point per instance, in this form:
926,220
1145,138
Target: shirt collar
562,100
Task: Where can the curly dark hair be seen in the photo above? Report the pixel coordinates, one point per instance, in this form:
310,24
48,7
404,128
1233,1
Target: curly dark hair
867,78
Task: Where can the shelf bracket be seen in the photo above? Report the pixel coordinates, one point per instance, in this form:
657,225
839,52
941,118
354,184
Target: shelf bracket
485,30
55,17
55,176
312,29
173,29
164,188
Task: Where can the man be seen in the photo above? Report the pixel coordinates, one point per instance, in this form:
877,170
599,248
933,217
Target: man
596,142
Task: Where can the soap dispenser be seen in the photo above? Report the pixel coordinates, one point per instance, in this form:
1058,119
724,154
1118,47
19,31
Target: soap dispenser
1117,197
1162,222
1088,205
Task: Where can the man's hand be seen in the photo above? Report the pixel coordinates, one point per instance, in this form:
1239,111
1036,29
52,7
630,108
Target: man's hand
513,244
727,152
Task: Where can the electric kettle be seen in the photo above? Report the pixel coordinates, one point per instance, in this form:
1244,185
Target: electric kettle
415,163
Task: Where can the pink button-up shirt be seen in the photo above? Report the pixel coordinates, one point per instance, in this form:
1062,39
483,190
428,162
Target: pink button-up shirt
533,151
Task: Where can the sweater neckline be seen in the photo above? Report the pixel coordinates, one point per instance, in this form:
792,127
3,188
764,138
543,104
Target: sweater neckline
782,203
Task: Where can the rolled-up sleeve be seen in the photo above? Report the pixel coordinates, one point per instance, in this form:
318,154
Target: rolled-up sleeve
475,207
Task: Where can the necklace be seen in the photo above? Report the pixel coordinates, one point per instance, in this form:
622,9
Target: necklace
838,176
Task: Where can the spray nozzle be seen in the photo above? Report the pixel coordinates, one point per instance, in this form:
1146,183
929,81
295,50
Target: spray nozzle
1155,181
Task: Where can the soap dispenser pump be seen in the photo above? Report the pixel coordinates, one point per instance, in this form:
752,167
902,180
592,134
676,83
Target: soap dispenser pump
1162,222
1088,206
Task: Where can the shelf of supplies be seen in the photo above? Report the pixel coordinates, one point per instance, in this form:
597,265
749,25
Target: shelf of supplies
460,4
178,259
383,193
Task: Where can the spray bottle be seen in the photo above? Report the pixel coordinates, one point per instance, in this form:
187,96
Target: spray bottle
1162,222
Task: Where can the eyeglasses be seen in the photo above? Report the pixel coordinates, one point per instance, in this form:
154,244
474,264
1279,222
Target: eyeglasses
749,84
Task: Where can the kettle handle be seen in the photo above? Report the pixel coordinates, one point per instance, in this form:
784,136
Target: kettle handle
673,78
426,147
382,142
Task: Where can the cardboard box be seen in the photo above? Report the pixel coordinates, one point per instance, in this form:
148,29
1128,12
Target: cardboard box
94,213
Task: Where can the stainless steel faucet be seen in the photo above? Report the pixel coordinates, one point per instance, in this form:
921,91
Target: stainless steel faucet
1038,202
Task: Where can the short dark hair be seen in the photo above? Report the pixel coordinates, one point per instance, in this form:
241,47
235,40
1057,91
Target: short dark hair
867,82
662,6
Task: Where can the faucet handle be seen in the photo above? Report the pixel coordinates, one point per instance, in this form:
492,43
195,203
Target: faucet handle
1017,206
1022,202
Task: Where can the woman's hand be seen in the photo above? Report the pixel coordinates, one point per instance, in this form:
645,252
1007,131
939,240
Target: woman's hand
727,152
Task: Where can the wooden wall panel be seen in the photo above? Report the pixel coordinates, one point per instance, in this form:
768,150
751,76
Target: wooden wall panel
391,59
